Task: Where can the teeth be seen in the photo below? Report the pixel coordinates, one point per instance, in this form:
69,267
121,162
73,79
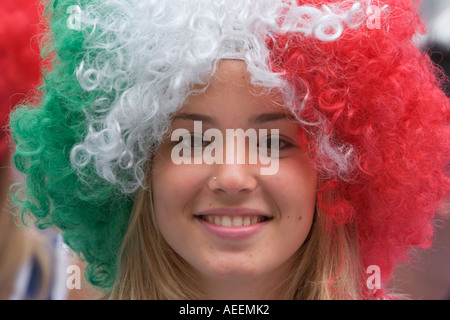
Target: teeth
237,222
233,221
226,221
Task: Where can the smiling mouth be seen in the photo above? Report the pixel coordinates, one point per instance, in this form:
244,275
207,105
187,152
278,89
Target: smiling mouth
233,221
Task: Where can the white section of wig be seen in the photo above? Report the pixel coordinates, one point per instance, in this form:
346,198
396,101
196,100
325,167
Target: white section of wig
148,54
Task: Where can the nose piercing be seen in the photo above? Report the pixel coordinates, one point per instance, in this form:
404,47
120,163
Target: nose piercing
215,178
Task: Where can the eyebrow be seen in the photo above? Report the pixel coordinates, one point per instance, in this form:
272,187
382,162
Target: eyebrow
194,117
267,117
260,118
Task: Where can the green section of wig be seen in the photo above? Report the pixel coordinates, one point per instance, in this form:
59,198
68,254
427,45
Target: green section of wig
91,213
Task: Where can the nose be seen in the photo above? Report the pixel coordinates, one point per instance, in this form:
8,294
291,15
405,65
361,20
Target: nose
233,177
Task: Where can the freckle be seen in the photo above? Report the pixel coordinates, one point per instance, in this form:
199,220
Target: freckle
288,217
299,218
210,204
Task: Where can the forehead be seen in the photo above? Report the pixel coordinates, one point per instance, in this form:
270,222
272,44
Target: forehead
231,92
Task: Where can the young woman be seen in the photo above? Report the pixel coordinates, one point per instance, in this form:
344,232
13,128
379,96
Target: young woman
128,153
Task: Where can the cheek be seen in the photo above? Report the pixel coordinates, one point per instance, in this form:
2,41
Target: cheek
171,183
174,187
294,190
295,185
168,203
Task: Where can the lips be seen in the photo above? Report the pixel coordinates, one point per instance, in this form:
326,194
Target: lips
233,223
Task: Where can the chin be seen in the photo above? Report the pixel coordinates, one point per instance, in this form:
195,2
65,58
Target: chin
236,271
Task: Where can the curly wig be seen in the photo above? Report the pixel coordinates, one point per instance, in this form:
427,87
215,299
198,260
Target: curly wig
348,70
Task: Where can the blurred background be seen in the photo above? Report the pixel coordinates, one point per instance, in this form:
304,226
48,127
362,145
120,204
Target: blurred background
436,14
33,264
428,275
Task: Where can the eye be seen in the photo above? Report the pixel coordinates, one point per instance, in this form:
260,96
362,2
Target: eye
195,141
272,141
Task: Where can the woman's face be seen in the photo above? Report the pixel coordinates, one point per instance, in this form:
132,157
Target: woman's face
227,220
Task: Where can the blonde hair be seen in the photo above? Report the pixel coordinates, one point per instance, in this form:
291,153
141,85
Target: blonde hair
326,266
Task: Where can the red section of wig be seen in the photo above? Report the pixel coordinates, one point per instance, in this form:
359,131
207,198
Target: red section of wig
19,58
375,90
